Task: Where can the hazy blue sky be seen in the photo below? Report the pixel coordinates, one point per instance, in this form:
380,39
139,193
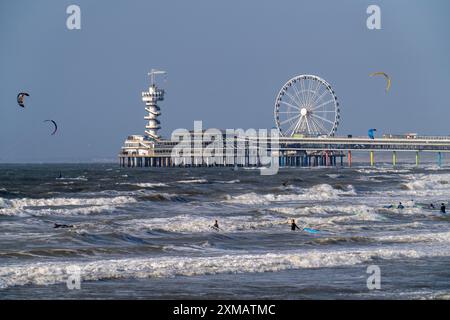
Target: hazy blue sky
226,61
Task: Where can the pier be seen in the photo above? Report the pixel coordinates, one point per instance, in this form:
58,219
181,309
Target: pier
292,152
307,115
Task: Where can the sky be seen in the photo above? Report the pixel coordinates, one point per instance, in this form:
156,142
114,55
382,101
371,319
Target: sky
225,63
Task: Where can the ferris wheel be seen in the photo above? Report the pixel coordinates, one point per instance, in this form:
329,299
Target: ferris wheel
307,105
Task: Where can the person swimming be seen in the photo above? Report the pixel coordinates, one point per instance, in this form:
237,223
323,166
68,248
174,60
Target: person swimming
400,206
216,225
294,225
63,226
442,208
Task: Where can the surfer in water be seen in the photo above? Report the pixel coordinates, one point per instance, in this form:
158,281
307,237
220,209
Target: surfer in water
400,206
294,225
62,226
216,225
432,206
442,208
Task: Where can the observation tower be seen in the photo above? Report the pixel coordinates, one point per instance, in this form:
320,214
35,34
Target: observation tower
151,98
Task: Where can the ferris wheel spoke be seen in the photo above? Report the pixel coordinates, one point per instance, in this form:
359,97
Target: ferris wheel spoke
314,124
298,125
307,124
321,105
290,105
308,92
292,118
320,129
297,93
302,85
315,91
325,131
311,125
323,119
292,126
320,97
288,112
293,99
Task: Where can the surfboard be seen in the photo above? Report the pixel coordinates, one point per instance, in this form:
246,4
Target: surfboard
311,230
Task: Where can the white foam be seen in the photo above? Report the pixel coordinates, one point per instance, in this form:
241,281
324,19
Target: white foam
194,223
428,184
228,182
193,181
443,237
46,273
80,178
44,206
329,214
382,170
318,192
334,175
148,184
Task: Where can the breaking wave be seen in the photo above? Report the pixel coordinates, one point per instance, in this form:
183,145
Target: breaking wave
193,181
47,273
60,206
318,192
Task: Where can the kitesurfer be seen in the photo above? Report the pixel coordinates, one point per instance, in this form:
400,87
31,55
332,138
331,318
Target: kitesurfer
388,79
54,124
21,100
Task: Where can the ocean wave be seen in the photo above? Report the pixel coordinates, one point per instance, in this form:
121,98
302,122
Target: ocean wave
228,181
146,184
382,170
192,223
427,184
47,273
193,181
318,192
334,175
80,178
60,206
329,214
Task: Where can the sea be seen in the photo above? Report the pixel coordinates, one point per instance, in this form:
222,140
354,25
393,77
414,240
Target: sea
146,233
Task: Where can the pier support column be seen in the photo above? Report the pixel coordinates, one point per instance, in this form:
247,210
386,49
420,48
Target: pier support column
439,159
349,158
394,158
417,158
372,159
